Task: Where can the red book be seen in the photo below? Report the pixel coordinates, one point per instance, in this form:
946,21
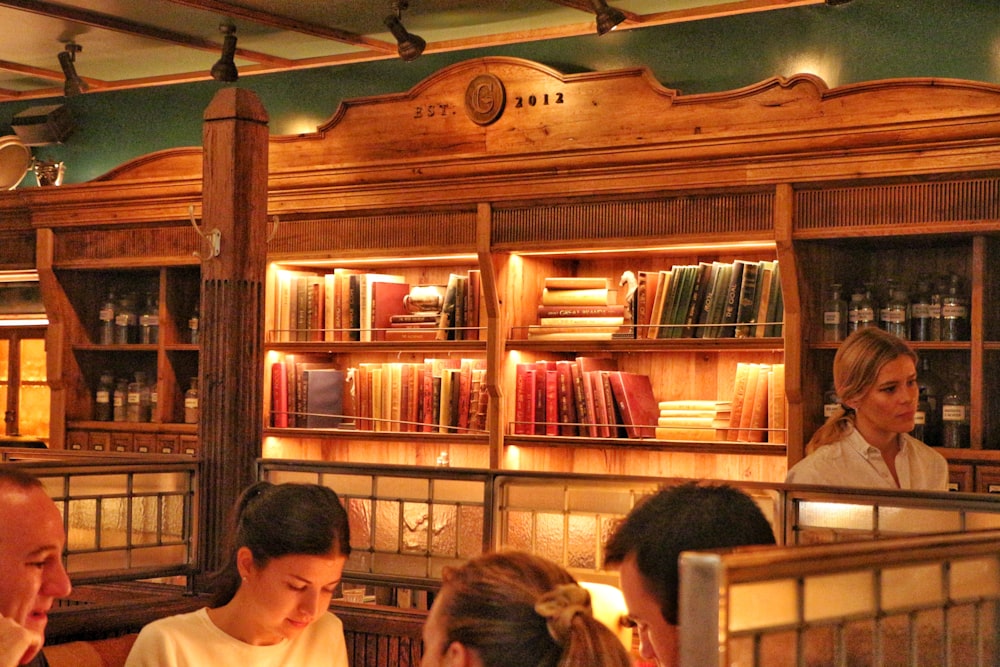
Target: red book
551,403
541,401
387,300
566,391
633,393
524,399
600,407
279,395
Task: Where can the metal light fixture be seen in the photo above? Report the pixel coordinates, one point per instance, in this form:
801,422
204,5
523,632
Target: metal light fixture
225,69
74,84
410,45
608,18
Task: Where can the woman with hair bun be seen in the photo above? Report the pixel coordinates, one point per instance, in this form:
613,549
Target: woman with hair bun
866,441
272,596
514,609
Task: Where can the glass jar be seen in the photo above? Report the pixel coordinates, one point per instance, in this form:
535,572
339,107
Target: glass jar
103,409
149,321
138,399
920,310
120,401
954,313
834,315
191,403
126,321
194,325
895,314
106,320
955,418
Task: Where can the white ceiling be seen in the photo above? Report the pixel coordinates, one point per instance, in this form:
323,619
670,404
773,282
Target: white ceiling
137,43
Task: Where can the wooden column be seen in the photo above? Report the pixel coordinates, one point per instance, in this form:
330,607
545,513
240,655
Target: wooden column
234,202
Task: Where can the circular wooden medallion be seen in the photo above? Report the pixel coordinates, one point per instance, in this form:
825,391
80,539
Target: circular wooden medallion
485,98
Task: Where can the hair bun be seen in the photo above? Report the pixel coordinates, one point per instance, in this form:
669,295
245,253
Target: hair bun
559,606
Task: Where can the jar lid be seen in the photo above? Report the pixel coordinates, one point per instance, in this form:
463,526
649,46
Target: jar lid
15,158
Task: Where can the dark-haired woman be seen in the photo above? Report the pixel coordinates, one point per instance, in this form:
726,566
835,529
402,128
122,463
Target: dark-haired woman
272,597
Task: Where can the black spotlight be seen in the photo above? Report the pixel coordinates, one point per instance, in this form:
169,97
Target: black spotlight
225,69
74,84
608,18
410,45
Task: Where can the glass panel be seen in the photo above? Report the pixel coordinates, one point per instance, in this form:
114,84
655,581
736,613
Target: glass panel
459,491
582,547
763,604
837,595
930,632
974,577
608,525
911,586
97,560
982,520
174,513
470,534
145,520
82,525
607,501
549,536
859,641
835,515
909,520
359,516
436,565
415,524
399,565
33,360
114,522
349,485
965,634
54,486
820,644
535,497
292,476
444,538
519,531
386,525
160,482
163,555
741,651
98,485
410,488
33,410
777,649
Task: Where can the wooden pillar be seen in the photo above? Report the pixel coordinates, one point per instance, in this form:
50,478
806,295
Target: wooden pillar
234,202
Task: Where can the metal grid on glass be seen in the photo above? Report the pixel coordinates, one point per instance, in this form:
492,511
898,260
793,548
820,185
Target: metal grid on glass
405,525
123,519
928,600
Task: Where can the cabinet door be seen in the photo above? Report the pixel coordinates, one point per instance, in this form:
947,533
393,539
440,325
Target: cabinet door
960,478
987,479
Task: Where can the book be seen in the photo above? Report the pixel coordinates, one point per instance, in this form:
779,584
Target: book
600,410
715,302
646,283
366,283
728,321
745,313
749,397
446,322
613,310
279,395
524,399
739,394
575,282
633,394
584,420
765,280
575,297
678,275
386,301
324,389
571,322
567,398
775,306
776,404
410,333
474,318
757,431
551,421
657,305
702,285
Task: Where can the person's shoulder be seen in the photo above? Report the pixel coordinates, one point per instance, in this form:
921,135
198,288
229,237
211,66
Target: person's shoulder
329,622
814,468
169,624
923,450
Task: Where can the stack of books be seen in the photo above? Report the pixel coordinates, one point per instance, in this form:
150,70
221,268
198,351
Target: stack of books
577,308
758,405
688,420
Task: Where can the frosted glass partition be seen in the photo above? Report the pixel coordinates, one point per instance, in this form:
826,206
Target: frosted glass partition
125,517
924,600
837,515
406,523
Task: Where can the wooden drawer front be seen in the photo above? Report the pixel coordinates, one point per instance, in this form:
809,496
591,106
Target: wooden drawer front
77,440
144,443
99,441
167,444
121,442
190,446
960,478
987,479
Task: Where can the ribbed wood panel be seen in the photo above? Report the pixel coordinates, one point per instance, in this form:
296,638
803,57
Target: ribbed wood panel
18,251
148,245
441,232
719,213
966,200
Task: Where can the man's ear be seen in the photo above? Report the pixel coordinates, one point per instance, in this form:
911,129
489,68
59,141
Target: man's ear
459,655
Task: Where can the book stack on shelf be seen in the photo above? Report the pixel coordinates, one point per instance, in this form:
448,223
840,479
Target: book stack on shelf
353,305
739,299
577,308
436,395
587,397
693,419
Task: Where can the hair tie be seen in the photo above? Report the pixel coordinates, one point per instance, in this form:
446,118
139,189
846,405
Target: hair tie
559,606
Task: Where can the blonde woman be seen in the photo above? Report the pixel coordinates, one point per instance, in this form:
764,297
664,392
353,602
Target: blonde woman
865,442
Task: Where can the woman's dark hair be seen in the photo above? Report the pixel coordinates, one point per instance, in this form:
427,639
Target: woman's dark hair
274,520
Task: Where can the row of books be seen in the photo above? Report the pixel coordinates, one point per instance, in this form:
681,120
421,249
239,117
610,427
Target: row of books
587,396
354,305
739,299
435,395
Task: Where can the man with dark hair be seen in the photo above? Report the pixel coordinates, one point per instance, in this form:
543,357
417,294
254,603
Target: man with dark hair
648,542
32,575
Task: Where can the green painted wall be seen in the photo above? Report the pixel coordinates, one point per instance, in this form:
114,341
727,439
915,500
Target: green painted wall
861,41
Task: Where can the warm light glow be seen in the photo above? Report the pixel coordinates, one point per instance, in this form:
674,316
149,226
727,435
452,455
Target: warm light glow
731,246
512,457
297,125
378,261
24,322
823,65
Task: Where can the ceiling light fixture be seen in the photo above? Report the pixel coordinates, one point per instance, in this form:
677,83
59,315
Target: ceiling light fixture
74,84
225,69
410,45
608,18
